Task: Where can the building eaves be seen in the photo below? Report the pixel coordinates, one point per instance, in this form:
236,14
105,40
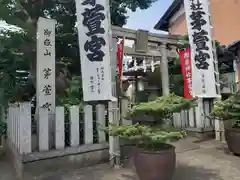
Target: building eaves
163,23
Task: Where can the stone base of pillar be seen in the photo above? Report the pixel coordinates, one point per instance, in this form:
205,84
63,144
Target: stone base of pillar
220,136
201,133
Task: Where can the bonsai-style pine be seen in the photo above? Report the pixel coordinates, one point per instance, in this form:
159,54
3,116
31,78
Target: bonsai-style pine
155,157
229,111
146,137
160,109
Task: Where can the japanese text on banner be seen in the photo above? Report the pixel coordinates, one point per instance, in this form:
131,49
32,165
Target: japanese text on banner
185,59
94,49
199,32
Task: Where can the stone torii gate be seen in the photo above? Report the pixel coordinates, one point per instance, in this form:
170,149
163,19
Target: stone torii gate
141,39
165,46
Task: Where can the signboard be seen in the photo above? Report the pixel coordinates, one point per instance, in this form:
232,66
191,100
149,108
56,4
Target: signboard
199,32
93,27
185,59
46,64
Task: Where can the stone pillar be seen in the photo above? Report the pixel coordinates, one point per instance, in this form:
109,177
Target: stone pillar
164,69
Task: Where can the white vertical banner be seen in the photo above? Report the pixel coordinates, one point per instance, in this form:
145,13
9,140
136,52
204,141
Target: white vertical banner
199,32
46,64
93,28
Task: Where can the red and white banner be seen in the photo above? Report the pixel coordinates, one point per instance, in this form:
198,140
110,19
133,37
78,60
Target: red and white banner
120,54
185,59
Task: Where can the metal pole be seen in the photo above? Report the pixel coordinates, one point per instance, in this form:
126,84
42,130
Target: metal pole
114,149
216,71
219,126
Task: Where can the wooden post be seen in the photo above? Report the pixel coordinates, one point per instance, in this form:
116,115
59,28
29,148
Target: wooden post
25,128
59,128
114,141
218,123
74,125
111,139
164,69
199,114
88,124
191,118
219,128
43,129
100,117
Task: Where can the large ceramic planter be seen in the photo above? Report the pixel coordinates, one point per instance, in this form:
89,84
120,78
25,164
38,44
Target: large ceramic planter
155,165
232,136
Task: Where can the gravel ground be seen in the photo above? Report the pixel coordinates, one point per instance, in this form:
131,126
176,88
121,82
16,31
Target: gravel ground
209,160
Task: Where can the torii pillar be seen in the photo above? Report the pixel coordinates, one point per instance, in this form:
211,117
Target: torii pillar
164,69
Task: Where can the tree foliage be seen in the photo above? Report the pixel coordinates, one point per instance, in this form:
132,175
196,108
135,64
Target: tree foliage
161,108
25,13
146,137
12,64
228,109
152,137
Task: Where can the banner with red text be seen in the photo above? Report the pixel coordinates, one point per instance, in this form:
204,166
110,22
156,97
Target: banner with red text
185,60
120,54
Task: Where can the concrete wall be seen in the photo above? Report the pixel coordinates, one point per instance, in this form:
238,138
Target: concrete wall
42,163
179,26
225,17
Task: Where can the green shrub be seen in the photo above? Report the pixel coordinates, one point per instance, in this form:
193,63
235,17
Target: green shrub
228,109
149,138
3,128
157,136
161,108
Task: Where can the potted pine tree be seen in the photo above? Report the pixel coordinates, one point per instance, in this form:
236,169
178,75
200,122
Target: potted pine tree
229,112
154,157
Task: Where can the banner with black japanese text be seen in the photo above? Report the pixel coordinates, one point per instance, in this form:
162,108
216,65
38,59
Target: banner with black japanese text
93,27
199,32
186,66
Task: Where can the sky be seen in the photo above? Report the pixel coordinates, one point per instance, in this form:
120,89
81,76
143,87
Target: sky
146,19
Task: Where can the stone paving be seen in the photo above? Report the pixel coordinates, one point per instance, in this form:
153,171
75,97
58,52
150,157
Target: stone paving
209,160
6,172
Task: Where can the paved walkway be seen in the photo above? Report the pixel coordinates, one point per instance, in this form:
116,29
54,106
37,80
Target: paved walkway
6,172
207,160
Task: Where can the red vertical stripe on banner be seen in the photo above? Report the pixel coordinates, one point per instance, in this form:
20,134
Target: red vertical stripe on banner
185,60
120,50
